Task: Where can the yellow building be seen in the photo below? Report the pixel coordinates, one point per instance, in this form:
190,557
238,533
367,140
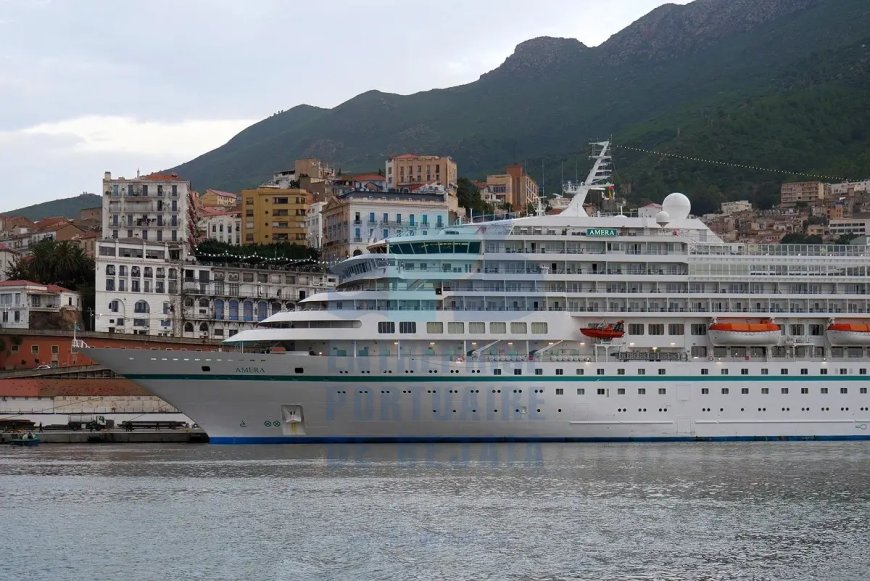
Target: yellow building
271,214
218,199
407,173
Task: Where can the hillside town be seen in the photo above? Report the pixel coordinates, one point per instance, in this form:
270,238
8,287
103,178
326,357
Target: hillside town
152,277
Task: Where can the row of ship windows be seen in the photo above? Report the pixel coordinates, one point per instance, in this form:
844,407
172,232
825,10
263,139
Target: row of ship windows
458,328
523,410
619,391
640,371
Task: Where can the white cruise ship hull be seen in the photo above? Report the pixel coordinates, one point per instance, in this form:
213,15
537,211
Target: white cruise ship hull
284,398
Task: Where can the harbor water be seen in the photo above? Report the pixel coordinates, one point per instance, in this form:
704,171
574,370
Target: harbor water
766,510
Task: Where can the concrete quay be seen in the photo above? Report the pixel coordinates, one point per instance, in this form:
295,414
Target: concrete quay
115,437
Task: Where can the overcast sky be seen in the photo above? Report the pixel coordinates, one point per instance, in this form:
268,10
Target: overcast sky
88,86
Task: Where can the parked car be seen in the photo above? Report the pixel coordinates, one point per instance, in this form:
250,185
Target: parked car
43,366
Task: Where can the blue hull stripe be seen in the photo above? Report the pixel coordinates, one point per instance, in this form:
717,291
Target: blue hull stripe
486,439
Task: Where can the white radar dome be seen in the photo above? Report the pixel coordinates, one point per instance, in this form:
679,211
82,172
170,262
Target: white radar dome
677,206
662,218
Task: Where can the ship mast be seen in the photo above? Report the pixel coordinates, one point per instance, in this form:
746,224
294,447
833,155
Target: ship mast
598,180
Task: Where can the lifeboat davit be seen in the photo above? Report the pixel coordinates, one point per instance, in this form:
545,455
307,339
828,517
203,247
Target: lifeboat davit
844,334
605,331
765,332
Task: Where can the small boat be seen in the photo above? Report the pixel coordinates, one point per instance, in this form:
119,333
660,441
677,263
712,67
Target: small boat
27,439
845,334
764,332
604,331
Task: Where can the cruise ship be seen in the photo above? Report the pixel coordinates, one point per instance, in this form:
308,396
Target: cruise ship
568,327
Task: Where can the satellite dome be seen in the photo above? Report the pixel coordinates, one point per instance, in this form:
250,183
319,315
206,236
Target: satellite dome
677,206
662,218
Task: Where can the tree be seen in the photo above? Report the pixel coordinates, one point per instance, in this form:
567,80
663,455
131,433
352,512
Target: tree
51,262
469,198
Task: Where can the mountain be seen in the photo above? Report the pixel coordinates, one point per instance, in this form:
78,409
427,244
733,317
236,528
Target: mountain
66,207
774,83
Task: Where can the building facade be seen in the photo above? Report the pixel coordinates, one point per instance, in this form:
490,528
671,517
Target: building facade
408,172
524,190
31,305
793,193
314,225
155,207
271,214
221,225
217,199
856,226
354,220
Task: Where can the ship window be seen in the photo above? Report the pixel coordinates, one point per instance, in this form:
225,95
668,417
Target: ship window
206,368
662,391
783,390
386,327
862,371
560,391
705,391
744,390
724,391
764,371
539,372
518,371
641,391
581,391
863,390
635,329
699,329
620,391
765,390
498,328
723,372
705,371
823,390
496,371
518,328
641,371
579,371
662,371
804,371
676,329
455,328
783,371
539,328
434,327
843,371
805,390
823,371
299,370
656,329
560,372
477,328
844,390
620,371
407,327
600,391
599,371
744,371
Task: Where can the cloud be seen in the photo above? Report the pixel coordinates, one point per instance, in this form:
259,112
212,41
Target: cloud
115,134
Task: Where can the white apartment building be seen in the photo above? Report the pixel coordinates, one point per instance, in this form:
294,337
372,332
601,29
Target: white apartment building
314,225
136,283
221,225
858,226
154,208
736,206
354,220
31,305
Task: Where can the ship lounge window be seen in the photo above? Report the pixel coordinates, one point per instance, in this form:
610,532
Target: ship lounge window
580,371
744,390
635,329
844,390
656,329
805,390
783,390
676,329
518,328
539,328
407,327
434,327
581,391
662,391
518,371
699,329
498,328
823,390
705,391
724,391
386,327
455,328
765,390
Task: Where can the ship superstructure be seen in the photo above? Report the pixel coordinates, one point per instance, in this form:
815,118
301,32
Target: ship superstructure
550,327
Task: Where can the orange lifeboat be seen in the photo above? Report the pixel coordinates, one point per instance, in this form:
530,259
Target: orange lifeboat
604,331
845,334
765,332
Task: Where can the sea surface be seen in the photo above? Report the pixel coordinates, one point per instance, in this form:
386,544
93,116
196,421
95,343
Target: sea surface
780,510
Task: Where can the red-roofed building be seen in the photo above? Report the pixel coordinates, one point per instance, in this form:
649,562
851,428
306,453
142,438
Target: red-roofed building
370,182
31,305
